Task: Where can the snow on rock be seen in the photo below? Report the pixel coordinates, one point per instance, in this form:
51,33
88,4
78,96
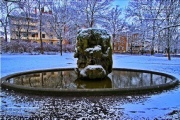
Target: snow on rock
95,48
86,32
93,67
93,72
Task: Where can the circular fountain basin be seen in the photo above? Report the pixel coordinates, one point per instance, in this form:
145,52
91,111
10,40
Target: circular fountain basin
65,82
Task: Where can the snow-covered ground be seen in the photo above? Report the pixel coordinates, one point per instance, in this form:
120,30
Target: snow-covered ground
161,64
153,105
17,63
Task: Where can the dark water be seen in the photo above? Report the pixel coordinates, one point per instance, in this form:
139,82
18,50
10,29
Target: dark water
68,79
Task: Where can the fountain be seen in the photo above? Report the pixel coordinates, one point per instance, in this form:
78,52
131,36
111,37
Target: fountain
94,53
94,75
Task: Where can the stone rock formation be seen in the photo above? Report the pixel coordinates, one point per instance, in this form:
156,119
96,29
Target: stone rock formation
94,53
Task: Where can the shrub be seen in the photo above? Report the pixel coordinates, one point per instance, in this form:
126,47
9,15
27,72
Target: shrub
20,46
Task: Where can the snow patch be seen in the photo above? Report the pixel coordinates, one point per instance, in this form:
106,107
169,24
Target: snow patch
105,36
91,67
91,50
86,32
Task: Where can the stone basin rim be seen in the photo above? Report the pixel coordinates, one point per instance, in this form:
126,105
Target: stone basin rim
87,92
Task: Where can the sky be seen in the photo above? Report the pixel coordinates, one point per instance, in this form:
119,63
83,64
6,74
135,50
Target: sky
121,3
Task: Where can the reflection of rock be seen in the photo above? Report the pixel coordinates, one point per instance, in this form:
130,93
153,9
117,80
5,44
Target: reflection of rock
86,84
93,48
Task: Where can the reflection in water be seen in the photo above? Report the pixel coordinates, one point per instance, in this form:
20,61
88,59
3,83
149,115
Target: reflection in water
87,84
129,79
68,80
59,79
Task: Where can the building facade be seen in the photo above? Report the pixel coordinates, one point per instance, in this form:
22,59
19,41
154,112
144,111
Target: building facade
22,28
120,45
130,43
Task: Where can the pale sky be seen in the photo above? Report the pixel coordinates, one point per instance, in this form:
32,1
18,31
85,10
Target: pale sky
121,3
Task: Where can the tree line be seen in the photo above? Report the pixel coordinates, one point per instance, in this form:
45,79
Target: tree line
154,20
158,21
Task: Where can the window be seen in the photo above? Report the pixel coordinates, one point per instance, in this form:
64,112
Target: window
36,35
33,35
43,35
25,35
18,34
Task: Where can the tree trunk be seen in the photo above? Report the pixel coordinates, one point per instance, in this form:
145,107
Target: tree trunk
153,39
41,50
168,43
28,30
152,51
168,53
40,29
131,49
60,40
61,45
5,33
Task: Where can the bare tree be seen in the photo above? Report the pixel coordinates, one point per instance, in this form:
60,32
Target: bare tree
171,22
6,9
92,11
154,8
17,28
113,22
135,13
40,7
59,20
153,17
27,8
